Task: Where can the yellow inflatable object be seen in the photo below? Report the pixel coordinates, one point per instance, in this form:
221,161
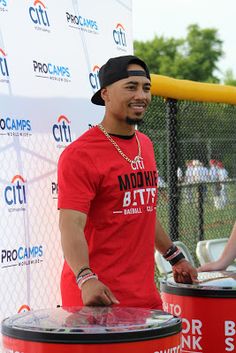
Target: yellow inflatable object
168,87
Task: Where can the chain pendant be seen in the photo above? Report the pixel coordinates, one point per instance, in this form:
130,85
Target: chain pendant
136,159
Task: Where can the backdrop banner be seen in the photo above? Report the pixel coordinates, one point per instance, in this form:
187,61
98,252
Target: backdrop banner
50,55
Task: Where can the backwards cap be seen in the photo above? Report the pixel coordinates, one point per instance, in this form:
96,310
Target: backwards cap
114,70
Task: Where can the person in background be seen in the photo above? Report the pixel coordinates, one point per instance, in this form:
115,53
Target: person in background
203,178
189,179
227,257
214,178
179,175
223,176
107,182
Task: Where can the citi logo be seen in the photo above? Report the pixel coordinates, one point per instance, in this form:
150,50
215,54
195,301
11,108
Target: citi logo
15,193
23,309
38,14
51,71
82,23
93,78
61,130
119,36
4,74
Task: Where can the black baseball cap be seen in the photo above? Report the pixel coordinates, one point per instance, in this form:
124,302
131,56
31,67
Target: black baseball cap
114,70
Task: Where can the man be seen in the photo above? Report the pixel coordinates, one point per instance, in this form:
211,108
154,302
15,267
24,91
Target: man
107,199
223,176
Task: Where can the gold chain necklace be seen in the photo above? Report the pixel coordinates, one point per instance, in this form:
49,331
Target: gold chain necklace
136,159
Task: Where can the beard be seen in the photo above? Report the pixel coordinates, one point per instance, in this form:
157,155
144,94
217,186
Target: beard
133,121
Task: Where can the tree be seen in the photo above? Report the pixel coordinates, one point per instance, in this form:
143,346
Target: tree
194,57
229,78
204,130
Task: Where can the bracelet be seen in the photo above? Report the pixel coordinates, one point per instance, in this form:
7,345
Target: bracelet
82,276
84,279
82,270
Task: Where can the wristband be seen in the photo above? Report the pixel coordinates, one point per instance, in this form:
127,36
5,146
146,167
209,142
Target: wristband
171,257
86,278
82,270
170,251
177,258
82,277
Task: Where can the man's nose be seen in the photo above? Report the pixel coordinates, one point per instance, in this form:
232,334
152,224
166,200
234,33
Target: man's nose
140,94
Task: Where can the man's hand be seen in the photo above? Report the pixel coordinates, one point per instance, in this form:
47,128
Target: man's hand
184,272
95,293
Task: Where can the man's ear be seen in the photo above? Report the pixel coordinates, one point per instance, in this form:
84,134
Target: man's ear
105,94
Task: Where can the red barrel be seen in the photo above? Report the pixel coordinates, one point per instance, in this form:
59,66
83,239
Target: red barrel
92,329
208,311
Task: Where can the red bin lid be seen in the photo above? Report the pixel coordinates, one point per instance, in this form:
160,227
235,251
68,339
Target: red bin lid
220,284
91,325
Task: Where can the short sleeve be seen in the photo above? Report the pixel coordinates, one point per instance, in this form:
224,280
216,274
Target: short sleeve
78,180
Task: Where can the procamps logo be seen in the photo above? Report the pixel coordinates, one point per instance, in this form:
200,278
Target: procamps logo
119,37
4,73
54,190
15,127
39,16
93,78
82,23
51,71
15,194
3,5
21,256
61,131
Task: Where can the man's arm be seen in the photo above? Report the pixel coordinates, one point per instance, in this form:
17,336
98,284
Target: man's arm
227,257
75,249
183,271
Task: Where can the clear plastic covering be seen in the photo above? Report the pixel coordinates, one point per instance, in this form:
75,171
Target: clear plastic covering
90,320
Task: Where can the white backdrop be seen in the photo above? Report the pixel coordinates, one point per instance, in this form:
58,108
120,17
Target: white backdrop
50,54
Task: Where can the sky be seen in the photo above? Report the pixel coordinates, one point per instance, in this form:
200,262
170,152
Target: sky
170,18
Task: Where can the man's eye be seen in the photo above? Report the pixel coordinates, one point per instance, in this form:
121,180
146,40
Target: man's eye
147,89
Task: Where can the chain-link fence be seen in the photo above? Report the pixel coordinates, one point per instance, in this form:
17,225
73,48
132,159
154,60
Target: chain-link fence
195,148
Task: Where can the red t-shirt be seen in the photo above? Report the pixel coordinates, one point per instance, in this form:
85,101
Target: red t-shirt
120,202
